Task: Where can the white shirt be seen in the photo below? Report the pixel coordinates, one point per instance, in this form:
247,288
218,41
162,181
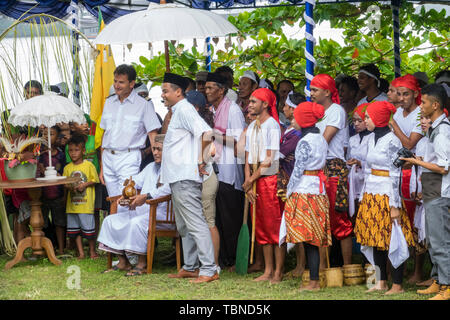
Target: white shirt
267,138
410,123
182,144
421,149
381,157
229,170
438,152
232,95
310,154
147,181
381,97
127,123
358,150
335,116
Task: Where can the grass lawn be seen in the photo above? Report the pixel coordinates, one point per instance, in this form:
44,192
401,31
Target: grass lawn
37,280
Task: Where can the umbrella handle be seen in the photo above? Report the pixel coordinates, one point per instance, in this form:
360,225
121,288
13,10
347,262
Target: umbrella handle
49,148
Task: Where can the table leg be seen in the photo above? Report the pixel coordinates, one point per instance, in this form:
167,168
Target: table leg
40,245
23,244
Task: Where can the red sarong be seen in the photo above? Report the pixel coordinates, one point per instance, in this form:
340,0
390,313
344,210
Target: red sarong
268,211
341,226
409,205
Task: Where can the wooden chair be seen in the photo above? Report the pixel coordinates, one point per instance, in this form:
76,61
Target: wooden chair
153,233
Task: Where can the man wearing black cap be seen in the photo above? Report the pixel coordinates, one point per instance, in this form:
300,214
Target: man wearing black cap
183,168
229,123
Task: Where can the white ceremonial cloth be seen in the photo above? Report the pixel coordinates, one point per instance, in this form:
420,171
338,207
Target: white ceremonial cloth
268,138
128,230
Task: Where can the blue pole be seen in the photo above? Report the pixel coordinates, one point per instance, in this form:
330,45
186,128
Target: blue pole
309,48
208,54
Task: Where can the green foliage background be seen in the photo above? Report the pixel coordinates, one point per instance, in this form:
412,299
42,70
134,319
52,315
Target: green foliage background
277,57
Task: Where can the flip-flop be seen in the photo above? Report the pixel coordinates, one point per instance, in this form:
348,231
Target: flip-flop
136,272
115,268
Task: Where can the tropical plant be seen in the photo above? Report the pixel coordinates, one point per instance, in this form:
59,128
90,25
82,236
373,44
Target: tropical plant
276,56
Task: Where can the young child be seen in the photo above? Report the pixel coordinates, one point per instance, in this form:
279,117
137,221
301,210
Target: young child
53,196
356,157
81,196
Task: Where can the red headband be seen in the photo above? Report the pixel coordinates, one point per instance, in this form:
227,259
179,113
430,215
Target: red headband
410,82
268,96
361,110
325,82
380,112
307,113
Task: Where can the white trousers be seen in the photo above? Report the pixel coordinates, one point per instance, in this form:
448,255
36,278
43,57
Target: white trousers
119,167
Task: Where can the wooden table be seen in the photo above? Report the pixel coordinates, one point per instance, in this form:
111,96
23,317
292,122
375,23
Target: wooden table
37,241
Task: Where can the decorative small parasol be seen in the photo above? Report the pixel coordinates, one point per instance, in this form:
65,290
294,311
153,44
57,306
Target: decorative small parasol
48,109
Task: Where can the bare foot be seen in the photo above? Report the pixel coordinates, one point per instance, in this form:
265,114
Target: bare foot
295,273
255,268
395,290
264,277
81,257
377,287
94,256
425,283
277,278
414,279
312,286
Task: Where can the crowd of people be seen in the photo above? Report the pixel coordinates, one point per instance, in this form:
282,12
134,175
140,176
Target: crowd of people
330,177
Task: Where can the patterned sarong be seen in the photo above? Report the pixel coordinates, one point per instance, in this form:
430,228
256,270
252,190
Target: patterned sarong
307,219
374,224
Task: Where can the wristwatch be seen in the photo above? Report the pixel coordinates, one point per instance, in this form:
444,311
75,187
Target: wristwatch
149,197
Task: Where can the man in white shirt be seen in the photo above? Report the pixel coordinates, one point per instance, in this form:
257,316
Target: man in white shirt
262,156
182,167
334,128
127,119
436,190
229,123
369,82
406,126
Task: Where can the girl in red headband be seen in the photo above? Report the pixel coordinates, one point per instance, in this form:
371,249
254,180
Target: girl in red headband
261,168
357,153
335,131
306,212
381,204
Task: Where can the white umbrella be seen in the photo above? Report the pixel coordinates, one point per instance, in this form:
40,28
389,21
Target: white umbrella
48,109
164,22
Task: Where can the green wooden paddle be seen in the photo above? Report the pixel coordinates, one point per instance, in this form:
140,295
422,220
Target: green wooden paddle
243,244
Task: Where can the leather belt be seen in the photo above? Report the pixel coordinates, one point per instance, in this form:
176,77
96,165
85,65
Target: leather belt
112,151
380,173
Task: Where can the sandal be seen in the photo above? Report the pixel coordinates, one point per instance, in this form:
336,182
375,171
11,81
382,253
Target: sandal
115,268
136,272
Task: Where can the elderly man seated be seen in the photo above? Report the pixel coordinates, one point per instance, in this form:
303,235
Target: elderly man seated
127,232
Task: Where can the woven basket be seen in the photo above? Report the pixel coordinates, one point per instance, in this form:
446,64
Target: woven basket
322,278
353,274
334,277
